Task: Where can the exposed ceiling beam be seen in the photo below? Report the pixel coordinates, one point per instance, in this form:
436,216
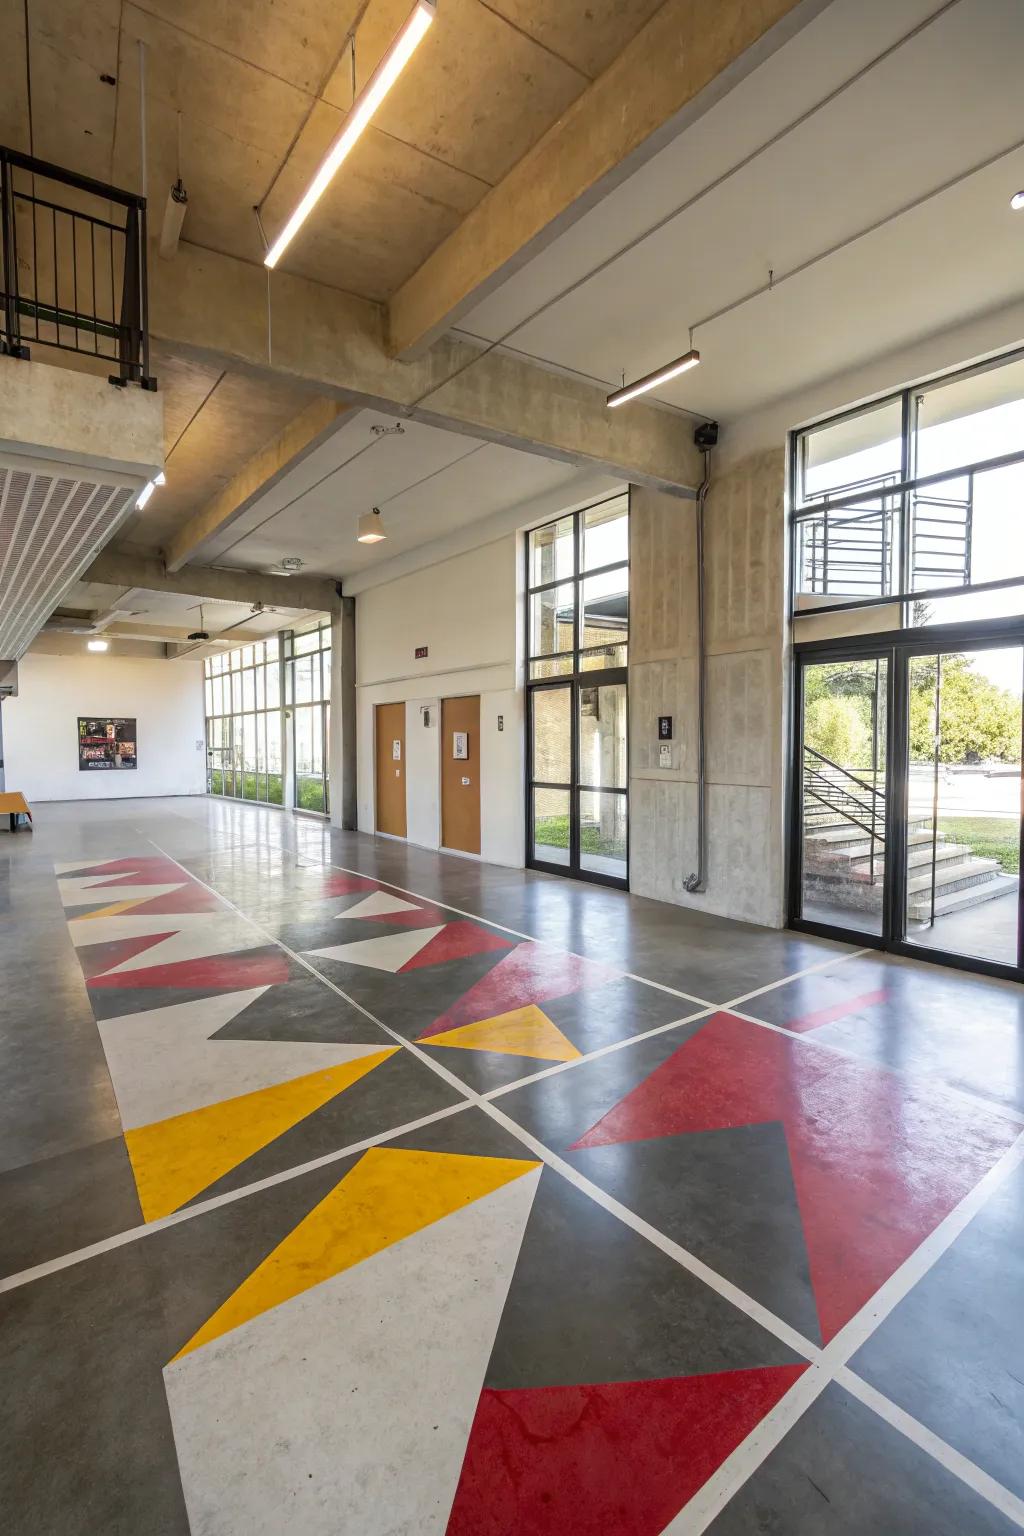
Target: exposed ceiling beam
216,306
674,70
298,439
115,568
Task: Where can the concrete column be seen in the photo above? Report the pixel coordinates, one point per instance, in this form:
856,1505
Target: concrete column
342,741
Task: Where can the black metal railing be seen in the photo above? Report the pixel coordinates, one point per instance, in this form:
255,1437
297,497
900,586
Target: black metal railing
72,267
857,801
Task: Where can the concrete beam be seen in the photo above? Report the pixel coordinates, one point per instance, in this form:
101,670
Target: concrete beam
116,568
676,68
216,306
298,439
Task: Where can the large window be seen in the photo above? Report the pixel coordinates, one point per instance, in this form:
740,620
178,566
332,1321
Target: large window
243,723
577,621
915,504
308,695
908,618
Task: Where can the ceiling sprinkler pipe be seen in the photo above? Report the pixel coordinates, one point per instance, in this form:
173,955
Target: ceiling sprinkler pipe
705,437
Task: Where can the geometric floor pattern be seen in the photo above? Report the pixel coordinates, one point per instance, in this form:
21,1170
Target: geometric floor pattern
473,1235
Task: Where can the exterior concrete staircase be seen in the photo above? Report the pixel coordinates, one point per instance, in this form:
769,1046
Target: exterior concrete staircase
844,851
838,866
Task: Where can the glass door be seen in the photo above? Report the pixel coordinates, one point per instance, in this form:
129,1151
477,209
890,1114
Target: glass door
843,792
551,776
602,777
961,863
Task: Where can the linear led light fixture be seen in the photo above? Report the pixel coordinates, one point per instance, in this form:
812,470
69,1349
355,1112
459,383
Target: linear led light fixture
652,380
362,110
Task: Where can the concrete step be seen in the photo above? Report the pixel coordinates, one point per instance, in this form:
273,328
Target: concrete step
919,856
997,885
957,877
843,835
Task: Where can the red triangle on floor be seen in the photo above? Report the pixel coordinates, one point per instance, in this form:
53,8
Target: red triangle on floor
530,973
455,942
344,884
620,1456
878,1159
190,897
247,968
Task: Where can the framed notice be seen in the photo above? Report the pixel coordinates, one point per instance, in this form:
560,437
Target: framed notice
106,743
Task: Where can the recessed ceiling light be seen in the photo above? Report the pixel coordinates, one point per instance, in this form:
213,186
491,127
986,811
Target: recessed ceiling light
1017,201
97,645
362,110
652,380
371,528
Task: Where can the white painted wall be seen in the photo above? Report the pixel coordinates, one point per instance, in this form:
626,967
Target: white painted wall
41,726
466,611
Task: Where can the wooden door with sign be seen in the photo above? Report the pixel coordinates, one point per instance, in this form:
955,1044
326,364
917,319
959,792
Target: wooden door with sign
460,776
391,769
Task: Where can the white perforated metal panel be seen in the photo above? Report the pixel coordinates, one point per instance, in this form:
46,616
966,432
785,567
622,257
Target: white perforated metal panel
51,526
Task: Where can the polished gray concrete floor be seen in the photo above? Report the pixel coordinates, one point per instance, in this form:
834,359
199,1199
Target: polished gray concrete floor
352,1189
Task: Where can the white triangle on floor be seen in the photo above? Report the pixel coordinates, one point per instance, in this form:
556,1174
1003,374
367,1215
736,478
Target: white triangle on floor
387,954
348,1407
190,936
163,1063
379,905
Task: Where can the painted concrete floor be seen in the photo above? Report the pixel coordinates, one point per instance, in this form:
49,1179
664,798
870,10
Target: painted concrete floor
351,1189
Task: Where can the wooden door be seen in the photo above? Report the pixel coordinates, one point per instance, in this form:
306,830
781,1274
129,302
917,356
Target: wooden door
460,776
391,769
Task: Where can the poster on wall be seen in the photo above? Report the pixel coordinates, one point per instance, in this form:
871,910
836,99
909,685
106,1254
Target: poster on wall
106,743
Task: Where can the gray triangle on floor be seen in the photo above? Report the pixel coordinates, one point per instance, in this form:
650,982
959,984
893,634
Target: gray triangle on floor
728,1197
599,1016
390,1095
125,1313
409,1001
484,1070
303,1009
843,1471
560,1108
593,1301
470,1133
115,1002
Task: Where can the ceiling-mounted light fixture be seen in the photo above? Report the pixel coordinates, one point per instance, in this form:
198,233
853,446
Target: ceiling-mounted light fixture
97,645
652,380
291,565
148,489
360,113
1017,201
201,633
371,528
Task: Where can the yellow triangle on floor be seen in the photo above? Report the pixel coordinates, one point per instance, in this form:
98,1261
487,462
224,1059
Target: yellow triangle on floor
388,1195
116,908
523,1032
174,1160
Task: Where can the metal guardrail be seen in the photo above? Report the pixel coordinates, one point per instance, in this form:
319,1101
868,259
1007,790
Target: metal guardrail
73,267
853,551
858,801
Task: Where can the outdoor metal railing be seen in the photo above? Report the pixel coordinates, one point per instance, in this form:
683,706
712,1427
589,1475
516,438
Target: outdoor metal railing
858,801
72,267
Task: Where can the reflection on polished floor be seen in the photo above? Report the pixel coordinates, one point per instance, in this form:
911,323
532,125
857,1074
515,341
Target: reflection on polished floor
353,1189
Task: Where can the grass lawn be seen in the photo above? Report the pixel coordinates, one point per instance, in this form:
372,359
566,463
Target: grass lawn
991,837
553,832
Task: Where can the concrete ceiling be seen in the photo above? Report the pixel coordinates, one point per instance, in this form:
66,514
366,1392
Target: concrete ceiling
262,89
427,483
937,109
214,421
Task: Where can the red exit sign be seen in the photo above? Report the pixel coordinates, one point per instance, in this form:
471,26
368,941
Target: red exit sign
421,652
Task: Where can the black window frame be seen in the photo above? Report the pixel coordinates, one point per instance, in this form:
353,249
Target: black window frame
574,680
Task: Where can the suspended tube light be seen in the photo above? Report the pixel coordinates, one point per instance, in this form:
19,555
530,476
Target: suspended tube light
652,380
362,110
